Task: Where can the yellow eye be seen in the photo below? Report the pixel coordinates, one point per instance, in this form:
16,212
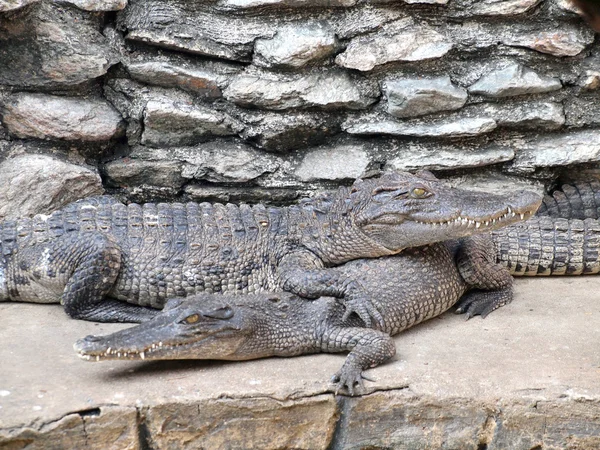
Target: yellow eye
420,192
192,319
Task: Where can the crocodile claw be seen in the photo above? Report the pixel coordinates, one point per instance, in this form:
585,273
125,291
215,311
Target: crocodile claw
351,380
482,303
364,309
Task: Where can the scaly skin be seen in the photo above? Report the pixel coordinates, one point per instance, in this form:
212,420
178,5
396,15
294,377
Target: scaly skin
281,324
579,200
406,289
103,259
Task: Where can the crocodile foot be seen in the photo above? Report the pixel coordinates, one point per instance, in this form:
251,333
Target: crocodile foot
350,379
481,303
363,308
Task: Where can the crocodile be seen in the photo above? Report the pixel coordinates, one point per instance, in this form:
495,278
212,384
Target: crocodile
107,261
580,200
407,289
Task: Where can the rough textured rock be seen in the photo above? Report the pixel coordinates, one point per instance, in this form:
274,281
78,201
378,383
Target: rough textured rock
414,156
514,79
411,97
127,172
306,423
7,5
564,41
111,428
282,132
338,162
460,127
528,115
235,5
324,90
558,150
31,184
233,194
52,44
403,40
43,116
227,161
100,5
170,124
204,79
295,46
190,27
501,7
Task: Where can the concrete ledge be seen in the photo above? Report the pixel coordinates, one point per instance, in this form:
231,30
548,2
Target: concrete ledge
527,377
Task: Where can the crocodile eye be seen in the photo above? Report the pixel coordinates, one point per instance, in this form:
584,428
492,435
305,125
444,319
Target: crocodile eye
192,319
419,192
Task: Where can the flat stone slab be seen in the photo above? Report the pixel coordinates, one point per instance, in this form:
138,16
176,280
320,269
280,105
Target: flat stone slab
526,376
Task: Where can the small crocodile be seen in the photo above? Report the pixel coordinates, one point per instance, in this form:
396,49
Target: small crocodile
103,260
407,289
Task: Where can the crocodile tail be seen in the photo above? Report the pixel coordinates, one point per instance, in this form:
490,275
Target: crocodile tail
549,246
579,200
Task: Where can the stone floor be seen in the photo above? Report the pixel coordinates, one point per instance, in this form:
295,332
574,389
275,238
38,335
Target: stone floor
527,377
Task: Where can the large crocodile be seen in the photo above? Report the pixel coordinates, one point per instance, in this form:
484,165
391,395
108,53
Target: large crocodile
419,284
103,259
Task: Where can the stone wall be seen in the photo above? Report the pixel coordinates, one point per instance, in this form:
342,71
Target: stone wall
268,100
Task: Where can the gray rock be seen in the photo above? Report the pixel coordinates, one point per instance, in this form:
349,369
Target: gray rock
169,123
514,79
202,79
194,28
557,150
295,46
495,182
235,5
44,116
499,7
427,2
325,90
568,40
8,5
52,45
32,184
282,132
99,5
218,161
528,116
365,18
402,40
232,194
445,128
411,97
337,162
583,110
131,172
414,156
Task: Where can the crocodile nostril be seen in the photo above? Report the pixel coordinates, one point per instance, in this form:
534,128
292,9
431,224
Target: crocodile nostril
91,338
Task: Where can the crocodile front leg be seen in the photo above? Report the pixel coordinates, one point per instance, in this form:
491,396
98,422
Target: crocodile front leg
302,273
368,348
493,283
77,269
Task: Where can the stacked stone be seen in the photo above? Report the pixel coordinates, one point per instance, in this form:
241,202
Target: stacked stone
265,100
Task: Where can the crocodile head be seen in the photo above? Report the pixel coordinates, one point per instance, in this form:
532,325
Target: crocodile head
400,210
205,326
